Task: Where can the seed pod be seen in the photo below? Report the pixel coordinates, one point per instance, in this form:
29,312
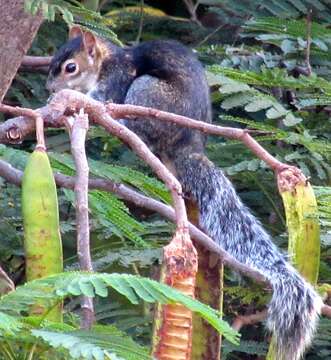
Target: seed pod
42,240
303,229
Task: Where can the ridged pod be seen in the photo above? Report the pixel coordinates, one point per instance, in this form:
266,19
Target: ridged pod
303,229
303,235
42,240
172,333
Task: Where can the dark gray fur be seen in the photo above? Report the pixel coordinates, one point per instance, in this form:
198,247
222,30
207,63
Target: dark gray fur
169,77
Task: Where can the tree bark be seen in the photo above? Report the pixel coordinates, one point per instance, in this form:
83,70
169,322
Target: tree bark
17,31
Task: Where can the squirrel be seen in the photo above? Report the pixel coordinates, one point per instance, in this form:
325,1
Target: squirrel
166,75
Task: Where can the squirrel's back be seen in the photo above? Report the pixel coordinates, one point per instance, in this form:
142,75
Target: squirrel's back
169,78
162,74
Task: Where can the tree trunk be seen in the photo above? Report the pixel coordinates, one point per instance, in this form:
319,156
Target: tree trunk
17,30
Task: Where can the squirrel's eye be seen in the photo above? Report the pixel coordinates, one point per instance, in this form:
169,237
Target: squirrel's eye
71,67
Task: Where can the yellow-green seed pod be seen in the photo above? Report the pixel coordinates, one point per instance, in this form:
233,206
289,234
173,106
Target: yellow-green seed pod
304,236
303,229
42,240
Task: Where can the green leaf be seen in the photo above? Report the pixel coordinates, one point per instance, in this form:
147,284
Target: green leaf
291,120
67,16
98,343
259,104
276,112
9,324
236,100
51,290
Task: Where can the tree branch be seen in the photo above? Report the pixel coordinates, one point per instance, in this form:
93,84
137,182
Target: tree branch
6,283
244,320
21,127
308,20
15,130
36,61
118,111
78,137
14,176
326,311
69,102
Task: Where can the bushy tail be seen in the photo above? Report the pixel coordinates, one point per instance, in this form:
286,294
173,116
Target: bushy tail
295,306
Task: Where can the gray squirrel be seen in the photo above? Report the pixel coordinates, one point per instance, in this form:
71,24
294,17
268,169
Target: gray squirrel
166,75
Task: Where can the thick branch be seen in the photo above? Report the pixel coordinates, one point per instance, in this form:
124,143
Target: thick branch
132,112
77,137
15,130
119,111
69,101
36,61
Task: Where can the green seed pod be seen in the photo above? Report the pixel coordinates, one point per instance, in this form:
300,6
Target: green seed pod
42,240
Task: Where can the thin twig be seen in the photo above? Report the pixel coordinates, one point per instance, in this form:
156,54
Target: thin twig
77,137
6,283
309,21
40,135
119,111
141,22
192,9
326,311
208,36
244,320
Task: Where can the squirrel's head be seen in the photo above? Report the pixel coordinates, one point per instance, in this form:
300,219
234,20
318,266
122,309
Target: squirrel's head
77,64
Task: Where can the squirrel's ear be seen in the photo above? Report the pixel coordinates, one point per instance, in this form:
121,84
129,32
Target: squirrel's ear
90,43
75,31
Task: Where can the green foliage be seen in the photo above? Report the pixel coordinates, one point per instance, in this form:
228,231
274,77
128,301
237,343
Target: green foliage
49,9
246,295
72,11
239,11
237,93
323,195
118,174
109,211
101,341
247,347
